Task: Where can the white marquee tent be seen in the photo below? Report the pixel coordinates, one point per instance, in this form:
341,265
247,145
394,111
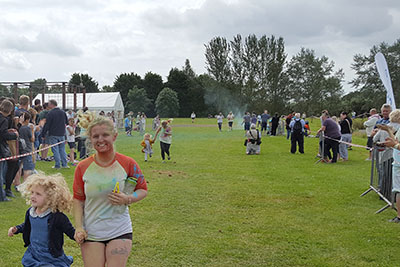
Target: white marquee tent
107,102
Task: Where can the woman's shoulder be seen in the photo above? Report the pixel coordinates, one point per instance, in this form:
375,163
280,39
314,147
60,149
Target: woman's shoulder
127,163
124,158
85,163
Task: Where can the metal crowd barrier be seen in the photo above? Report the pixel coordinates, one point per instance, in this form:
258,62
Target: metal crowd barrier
381,176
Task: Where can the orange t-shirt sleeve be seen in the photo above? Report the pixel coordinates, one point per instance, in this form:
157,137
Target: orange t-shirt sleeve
133,170
78,185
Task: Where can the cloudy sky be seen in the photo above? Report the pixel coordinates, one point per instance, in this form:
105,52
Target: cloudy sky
54,38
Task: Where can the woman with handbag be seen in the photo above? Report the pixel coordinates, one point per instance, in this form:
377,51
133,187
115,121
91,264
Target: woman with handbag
253,140
6,108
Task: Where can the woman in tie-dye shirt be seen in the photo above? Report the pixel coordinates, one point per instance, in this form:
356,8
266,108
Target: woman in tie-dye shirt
102,220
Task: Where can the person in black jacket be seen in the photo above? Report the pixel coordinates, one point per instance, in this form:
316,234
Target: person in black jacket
346,130
6,107
56,121
45,223
275,123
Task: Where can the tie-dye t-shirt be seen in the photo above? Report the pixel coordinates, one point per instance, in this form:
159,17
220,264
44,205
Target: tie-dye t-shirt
93,183
166,135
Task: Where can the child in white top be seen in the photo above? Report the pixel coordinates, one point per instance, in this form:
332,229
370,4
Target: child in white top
71,140
147,145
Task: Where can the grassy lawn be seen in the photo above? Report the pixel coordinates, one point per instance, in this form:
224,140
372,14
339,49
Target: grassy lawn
212,205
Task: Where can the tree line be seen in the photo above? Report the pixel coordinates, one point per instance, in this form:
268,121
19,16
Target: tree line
251,73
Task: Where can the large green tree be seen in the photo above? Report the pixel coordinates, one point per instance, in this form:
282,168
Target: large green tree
367,80
153,84
251,69
167,103
271,75
88,82
179,82
313,83
125,82
217,59
188,70
137,100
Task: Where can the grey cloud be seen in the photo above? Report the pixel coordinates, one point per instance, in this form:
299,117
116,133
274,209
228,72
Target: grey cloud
14,60
43,43
289,19
18,5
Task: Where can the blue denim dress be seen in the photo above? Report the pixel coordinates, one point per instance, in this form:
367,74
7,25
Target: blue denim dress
38,253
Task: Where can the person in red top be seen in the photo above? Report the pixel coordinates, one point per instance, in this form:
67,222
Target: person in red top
105,184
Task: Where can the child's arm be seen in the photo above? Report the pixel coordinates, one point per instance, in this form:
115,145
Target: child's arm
66,226
16,229
155,136
12,231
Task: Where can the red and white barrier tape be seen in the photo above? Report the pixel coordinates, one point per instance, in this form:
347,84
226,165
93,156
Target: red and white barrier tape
31,153
347,143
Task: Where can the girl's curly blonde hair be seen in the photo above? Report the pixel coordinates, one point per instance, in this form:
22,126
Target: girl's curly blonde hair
58,198
394,116
88,120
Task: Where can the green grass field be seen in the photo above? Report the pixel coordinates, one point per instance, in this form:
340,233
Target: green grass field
212,205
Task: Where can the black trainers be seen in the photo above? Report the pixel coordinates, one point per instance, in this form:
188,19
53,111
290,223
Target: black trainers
395,220
9,193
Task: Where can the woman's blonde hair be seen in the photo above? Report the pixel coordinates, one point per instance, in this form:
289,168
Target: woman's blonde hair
166,122
394,116
58,198
88,120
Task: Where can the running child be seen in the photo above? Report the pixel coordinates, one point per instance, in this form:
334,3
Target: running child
147,145
45,223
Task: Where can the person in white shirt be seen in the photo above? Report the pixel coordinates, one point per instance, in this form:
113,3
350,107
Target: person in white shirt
193,116
230,118
220,119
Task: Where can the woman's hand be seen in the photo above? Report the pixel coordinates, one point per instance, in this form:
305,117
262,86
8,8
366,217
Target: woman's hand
118,198
80,235
12,231
390,142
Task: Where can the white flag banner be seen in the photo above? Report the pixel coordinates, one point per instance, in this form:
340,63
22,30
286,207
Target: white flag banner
383,70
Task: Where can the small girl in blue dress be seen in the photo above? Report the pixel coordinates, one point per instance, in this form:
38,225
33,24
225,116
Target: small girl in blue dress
45,223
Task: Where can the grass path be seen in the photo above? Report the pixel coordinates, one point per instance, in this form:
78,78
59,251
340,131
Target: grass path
212,205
